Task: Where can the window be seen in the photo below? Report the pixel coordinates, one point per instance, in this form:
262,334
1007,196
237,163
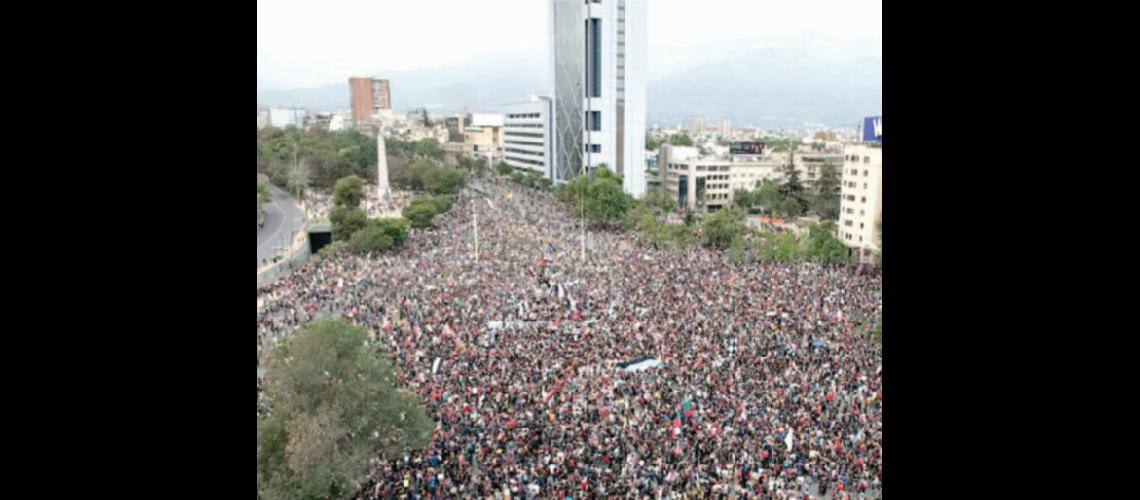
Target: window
595,121
864,185
866,159
860,225
594,148
848,223
866,173
863,200
593,57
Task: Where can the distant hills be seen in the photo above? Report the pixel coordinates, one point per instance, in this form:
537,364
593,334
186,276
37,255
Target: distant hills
768,82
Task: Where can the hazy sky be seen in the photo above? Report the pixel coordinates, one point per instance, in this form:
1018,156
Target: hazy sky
306,43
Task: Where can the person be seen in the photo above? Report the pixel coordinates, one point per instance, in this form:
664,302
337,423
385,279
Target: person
539,399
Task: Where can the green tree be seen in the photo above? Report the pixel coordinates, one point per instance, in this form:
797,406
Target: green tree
371,238
736,251
825,198
346,221
606,202
690,219
823,246
767,194
791,192
441,180
334,405
348,192
420,211
651,143
681,139
721,228
503,168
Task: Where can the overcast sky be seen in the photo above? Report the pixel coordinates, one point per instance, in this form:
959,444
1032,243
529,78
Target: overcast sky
307,43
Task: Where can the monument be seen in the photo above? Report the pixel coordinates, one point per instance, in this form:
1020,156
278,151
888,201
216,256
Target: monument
381,166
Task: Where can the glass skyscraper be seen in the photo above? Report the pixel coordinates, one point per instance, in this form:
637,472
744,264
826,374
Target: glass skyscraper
598,65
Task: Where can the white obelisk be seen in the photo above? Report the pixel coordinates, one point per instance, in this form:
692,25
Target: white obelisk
381,167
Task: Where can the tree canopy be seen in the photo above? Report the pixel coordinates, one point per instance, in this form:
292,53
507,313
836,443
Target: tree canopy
348,192
333,405
600,198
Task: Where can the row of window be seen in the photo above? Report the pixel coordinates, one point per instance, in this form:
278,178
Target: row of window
593,148
522,125
525,115
523,151
521,134
524,143
855,158
856,172
716,177
524,160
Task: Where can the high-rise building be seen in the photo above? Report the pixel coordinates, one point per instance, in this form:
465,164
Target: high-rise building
598,66
527,140
369,97
725,127
861,199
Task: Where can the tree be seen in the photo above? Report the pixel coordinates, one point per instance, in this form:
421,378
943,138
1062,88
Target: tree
651,143
825,200
791,193
503,168
371,238
348,192
440,180
767,194
420,212
823,246
690,219
681,139
453,135
606,201
334,405
346,221
721,228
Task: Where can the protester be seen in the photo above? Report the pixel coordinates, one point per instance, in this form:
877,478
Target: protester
767,386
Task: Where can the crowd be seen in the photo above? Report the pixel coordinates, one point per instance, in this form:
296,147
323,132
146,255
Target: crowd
766,386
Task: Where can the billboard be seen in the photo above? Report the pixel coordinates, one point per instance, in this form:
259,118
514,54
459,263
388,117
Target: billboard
747,148
873,129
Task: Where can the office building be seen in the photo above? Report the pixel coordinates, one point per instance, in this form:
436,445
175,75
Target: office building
598,66
861,199
707,184
369,97
527,140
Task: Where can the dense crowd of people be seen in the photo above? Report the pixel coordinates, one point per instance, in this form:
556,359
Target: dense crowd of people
766,385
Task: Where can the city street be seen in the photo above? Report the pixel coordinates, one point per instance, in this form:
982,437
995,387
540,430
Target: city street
282,217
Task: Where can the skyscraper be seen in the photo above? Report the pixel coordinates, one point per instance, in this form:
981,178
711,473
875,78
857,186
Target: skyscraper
369,96
598,66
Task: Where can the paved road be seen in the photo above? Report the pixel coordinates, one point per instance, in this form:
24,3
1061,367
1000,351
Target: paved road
282,217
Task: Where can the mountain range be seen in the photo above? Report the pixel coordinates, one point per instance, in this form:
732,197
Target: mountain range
776,81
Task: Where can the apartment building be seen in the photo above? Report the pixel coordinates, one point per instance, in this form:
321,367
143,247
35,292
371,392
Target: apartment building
861,201
369,97
527,136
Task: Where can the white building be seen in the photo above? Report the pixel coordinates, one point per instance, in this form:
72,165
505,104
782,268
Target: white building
486,119
717,178
861,199
598,66
337,123
527,140
284,117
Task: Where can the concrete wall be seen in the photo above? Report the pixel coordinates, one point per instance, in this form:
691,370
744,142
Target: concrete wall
295,260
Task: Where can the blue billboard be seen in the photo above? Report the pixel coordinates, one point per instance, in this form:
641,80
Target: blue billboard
873,129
